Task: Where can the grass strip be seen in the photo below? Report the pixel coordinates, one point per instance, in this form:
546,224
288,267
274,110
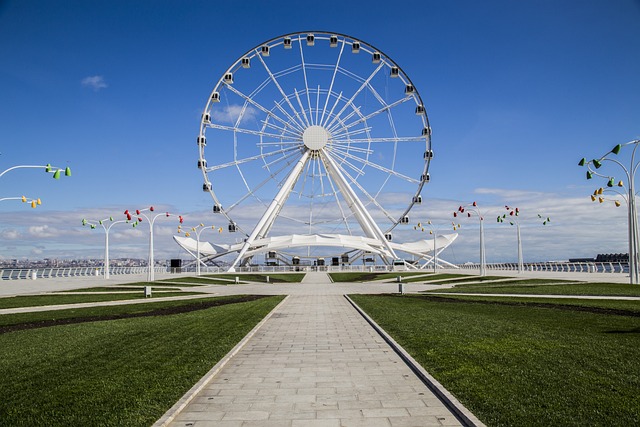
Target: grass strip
117,372
370,276
262,277
521,365
595,289
52,299
103,311
118,289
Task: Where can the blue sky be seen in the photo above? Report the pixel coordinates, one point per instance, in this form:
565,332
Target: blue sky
516,93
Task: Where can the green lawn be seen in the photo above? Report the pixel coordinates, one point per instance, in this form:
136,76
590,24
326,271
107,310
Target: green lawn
521,364
369,277
262,277
46,299
120,289
124,372
551,288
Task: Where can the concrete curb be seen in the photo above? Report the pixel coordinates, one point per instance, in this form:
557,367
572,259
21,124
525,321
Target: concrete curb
465,416
170,415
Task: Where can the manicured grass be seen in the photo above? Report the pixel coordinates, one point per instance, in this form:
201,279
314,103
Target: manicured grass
116,373
448,278
609,289
103,311
521,365
119,289
262,277
369,277
191,281
38,300
631,307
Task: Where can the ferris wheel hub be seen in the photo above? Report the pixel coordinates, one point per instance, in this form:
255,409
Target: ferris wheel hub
315,137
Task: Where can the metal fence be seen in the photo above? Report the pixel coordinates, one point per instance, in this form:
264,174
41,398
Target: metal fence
47,273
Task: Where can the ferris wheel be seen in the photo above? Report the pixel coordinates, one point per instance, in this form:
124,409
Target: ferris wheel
314,133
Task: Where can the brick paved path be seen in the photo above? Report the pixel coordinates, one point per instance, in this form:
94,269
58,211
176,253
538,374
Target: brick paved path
315,362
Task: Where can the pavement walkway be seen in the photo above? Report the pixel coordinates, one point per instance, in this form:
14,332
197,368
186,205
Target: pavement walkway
314,362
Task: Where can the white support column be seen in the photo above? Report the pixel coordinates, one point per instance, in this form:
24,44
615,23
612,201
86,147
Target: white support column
367,223
274,208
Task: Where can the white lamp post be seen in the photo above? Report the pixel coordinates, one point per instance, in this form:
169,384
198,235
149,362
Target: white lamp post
93,224
23,199
629,197
151,221
48,168
433,231
473,208
514,220
198,229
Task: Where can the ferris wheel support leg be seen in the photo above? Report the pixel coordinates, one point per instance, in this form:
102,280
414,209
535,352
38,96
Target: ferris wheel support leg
357,207
269,216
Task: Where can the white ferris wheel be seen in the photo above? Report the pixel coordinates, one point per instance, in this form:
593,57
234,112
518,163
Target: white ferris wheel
316,136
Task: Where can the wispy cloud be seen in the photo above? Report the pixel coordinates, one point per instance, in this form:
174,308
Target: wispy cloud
94,82
231,113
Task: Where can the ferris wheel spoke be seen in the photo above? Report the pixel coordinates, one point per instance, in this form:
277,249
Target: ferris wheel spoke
348,134
291,119
333,107
341,122
243,130
333,79
273,126
335,193
355,95
284,96
276,143
385,108
374,165
259,106
250,159
254,190
302,110
317,104
306,82
285,157
348,147
366,193
385,140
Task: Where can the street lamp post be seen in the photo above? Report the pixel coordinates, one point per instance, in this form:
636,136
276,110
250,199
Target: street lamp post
23,199
433,231
151,221
514,220
629,197
93,224
198,229
48,168
473,208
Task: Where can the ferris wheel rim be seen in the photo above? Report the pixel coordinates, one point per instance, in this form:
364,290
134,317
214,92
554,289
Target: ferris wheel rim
346,40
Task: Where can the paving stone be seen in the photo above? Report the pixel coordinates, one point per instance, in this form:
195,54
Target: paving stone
316,362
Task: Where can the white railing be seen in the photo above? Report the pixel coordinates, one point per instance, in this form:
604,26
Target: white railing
562,267
48,273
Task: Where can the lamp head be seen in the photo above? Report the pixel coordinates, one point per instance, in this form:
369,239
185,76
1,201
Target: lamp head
56,174
616,149
589,175
597,163
67,171
582,162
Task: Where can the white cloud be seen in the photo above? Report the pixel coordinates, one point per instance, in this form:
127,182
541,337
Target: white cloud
43,231
230,114
94,82
10,234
